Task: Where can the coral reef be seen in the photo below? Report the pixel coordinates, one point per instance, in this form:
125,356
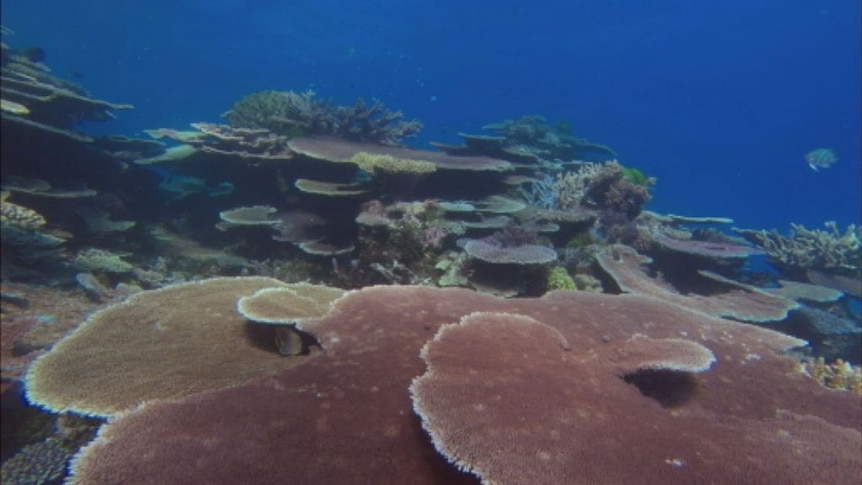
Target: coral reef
198,375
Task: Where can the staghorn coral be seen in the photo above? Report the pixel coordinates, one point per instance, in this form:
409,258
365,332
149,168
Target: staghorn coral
815,248
285,113
601,186
293,114
374,123
563,191
350,404
839,375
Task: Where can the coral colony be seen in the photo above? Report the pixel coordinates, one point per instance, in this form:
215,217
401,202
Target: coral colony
289,292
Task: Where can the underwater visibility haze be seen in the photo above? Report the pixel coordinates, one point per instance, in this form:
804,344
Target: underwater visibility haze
431,242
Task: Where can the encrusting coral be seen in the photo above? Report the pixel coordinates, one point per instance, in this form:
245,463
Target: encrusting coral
17,216
608,373
43,462
382,163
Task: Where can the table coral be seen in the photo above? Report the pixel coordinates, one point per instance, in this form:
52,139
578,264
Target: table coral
345,416
158,344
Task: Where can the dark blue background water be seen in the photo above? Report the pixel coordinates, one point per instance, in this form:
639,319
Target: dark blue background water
718,99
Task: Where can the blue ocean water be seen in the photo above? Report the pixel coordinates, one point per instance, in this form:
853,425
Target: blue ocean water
719,100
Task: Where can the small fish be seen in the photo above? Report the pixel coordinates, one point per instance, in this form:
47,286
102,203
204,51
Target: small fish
820,158
287,340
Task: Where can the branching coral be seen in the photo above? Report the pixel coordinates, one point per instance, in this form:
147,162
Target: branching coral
404,232
563,191
373,123
292,114
606,186
838,375
283,112
814,248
